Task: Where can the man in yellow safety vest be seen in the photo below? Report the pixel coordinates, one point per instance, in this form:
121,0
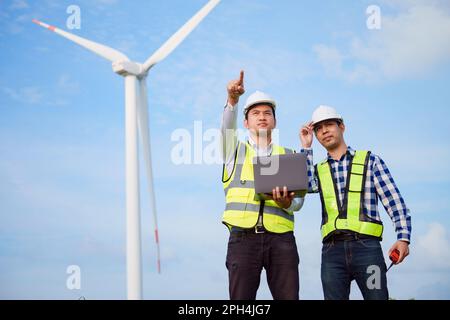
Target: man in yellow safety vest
350,183
261,231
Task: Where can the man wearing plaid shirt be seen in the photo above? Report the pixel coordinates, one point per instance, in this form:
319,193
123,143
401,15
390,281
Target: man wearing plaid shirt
350,183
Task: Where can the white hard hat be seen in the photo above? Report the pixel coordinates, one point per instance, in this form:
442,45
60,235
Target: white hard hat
325,113
258,97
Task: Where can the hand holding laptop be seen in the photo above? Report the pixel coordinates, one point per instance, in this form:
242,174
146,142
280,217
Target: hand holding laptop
288,175
282,197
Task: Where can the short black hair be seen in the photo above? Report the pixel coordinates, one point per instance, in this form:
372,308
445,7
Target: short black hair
259,104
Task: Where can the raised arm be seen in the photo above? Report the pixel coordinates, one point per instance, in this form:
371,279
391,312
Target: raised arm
235,89
306,135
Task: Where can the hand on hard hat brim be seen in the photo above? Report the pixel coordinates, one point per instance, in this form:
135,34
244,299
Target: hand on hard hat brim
314,124
307,129
306,135
309,126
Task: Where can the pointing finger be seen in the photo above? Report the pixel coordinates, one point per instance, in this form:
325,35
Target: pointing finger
241,77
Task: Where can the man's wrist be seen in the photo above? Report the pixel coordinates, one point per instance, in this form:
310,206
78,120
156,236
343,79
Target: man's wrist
232,101
405,237
282,204
230,107
287,205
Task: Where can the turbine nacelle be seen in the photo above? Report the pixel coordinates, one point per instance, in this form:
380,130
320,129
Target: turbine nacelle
124,68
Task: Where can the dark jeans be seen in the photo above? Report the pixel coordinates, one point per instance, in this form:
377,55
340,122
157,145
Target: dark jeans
346,260
248,253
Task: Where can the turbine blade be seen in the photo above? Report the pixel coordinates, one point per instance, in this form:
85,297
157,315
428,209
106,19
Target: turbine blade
102,50
145,139
179,36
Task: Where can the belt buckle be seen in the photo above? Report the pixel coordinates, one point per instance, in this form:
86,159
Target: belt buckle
351,237
259,229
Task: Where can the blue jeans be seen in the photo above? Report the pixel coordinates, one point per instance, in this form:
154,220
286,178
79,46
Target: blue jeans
346,260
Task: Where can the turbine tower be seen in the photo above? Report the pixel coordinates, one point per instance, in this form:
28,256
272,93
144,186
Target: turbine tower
136,119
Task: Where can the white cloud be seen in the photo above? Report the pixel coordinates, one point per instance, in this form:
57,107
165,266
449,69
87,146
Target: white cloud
28,95
14,28
414,42
267,68
429,252
127,43
23,18
404,4
433,170
67,84
16,21
330,57
106,2
103,5
41,49
434,246
18,5
34,95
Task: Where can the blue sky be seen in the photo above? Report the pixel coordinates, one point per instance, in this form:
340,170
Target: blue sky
62,135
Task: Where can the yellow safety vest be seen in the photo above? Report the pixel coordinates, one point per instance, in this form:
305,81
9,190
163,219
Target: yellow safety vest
242,209
350,215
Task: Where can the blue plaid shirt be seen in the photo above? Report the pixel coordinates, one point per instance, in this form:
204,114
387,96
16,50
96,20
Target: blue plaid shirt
379,185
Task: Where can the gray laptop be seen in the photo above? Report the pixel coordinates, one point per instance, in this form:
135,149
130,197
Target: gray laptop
281,170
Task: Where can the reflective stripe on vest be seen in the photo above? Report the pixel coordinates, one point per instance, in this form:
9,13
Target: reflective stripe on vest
351,215
242,209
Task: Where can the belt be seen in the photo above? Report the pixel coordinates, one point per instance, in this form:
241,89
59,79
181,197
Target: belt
256,229
347,236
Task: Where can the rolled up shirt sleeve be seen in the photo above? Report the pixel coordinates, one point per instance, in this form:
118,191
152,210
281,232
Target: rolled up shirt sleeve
392,200
313,183
297,204
229,135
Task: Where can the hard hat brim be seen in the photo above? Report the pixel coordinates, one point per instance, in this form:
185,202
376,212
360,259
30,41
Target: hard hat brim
263,102
327,119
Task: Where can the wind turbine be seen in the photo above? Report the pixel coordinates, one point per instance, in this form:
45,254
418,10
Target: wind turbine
136,118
